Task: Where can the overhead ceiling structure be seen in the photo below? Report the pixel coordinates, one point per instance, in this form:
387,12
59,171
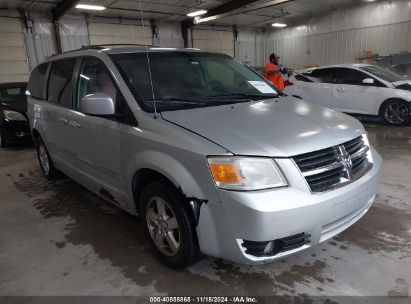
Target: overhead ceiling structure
242,13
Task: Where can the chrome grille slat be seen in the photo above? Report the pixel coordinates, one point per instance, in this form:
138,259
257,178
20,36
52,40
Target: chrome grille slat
334,167
309,161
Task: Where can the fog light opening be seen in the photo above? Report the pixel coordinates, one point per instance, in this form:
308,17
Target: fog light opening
20,134
269,247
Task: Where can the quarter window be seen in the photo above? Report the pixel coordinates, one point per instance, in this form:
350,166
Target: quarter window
36,82
60,86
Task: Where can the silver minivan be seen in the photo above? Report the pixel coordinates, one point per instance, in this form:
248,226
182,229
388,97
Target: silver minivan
212,157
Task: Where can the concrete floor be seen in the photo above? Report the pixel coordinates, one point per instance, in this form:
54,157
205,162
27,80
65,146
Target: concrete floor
56,238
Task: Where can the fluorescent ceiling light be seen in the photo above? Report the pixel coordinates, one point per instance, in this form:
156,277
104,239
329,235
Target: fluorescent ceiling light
90,7
197,13
279,24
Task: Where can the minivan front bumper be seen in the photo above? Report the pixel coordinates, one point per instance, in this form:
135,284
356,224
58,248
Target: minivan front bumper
226,228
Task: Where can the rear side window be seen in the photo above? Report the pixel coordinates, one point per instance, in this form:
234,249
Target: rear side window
300,77
60,86
12,94
321,75
36,82
350,76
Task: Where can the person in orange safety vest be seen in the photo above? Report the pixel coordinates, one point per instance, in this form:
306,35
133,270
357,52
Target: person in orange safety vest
273,72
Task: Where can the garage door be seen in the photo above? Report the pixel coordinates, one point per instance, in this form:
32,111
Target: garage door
208,40
103,33
13,59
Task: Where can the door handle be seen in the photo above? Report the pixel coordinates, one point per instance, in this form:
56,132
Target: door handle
62,120
340,89
75,124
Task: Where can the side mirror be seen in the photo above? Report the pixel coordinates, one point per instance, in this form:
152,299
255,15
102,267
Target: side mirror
97,104
368,81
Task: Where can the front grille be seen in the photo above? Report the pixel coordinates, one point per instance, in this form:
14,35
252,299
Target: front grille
271,248
334,167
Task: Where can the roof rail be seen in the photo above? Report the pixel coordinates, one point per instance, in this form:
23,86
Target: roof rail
102,46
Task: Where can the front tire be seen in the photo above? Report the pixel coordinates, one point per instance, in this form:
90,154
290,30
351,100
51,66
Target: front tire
168,225
396,112
46,164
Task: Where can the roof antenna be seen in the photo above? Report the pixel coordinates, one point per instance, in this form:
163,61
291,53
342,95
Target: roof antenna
148,61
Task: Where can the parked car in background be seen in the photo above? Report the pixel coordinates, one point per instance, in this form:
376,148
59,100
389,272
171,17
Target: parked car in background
356,89
14,125
397,63
211,156
403,69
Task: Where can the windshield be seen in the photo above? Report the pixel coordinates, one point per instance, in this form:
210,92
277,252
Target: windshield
382,73
190,79
12,94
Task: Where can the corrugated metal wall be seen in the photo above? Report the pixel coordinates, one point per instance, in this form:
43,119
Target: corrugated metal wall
214,40
340,36
73,32
335,37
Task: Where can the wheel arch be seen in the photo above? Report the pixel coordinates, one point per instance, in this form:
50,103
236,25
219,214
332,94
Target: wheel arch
153,166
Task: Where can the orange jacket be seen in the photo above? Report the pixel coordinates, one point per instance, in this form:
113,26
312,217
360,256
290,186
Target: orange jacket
273,74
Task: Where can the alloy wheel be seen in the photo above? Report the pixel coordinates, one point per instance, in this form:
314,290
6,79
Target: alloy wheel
163,226
396,113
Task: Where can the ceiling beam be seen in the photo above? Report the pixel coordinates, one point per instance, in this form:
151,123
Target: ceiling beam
243,10
215,12
62,8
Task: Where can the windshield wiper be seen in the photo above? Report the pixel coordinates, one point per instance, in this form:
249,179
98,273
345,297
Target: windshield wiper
241,95
175,100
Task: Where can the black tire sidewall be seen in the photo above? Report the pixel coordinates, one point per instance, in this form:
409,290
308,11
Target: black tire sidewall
52,171
188,251
405,122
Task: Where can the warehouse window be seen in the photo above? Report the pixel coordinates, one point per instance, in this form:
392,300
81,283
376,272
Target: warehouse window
36,82
60,86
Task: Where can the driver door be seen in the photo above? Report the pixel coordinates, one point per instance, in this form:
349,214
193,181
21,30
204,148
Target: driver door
350,95
95,140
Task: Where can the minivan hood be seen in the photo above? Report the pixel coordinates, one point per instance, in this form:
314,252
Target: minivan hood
276,127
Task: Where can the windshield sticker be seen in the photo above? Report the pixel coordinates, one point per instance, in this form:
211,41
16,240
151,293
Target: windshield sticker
262,87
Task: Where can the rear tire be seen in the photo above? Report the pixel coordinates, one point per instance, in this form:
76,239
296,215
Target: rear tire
46,164
396,112
169,225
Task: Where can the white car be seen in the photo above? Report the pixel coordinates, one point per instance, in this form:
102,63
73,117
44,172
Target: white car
356,89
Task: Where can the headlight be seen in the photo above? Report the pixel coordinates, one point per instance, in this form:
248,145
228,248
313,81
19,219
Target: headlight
11,115
242,173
